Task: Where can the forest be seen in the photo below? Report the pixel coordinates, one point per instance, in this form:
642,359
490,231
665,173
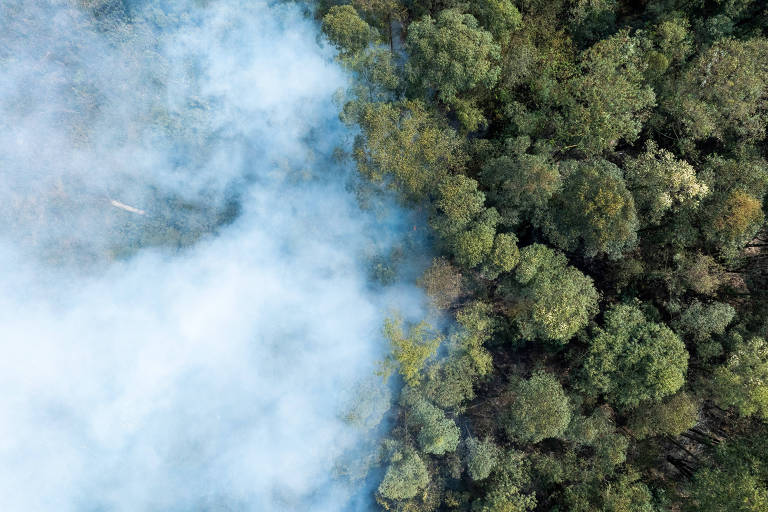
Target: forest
593,177
398,255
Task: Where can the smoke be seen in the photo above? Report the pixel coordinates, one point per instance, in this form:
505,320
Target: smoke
186,299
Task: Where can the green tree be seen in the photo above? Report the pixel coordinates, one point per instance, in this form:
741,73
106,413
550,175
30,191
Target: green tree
660,184
409,351
499,17
736,481
482,457
505,254
382,13
437,433
459,202
624,494
539,409
723,93
593,209
554,300
451,380
521,186
504,490
743,381
598,431
474,245
405,477
405,144
632,359
506,497
607,101
469,229
700,321
700,273
442,282
451,55
346,30
670,417
732,223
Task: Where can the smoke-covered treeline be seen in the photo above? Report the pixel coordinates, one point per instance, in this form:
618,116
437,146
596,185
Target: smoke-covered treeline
187,302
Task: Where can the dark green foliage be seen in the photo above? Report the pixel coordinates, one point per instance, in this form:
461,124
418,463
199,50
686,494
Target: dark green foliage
594,210
742,382
700,321
607,100
737,479
670,417
539,409
451,55
505,488
632,359
520,186
499,17
625,494
346,30
723,93
482,458
405,477
555,300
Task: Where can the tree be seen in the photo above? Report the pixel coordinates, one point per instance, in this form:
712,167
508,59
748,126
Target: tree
459,202
478,324
607,100
451,380
451,55
661,184
598,431
505,253
736,481
723,93
346,30
593,209
437,433
539,409
404,143
670,417
405,477
521,186
506,497
716,490
700,321
632,359
732,223
554,300
700,273
733,214
382,13
499,17
442,282
504,488
624,494
743,381
474,245
482,458
409,351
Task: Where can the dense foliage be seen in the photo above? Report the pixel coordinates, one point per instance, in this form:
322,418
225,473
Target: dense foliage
593,175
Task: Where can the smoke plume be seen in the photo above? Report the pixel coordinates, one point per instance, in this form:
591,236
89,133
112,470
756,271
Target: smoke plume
186,299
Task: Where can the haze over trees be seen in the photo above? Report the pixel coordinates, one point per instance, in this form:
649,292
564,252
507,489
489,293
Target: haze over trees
593,176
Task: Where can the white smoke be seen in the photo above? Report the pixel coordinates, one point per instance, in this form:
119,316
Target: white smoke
185,301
